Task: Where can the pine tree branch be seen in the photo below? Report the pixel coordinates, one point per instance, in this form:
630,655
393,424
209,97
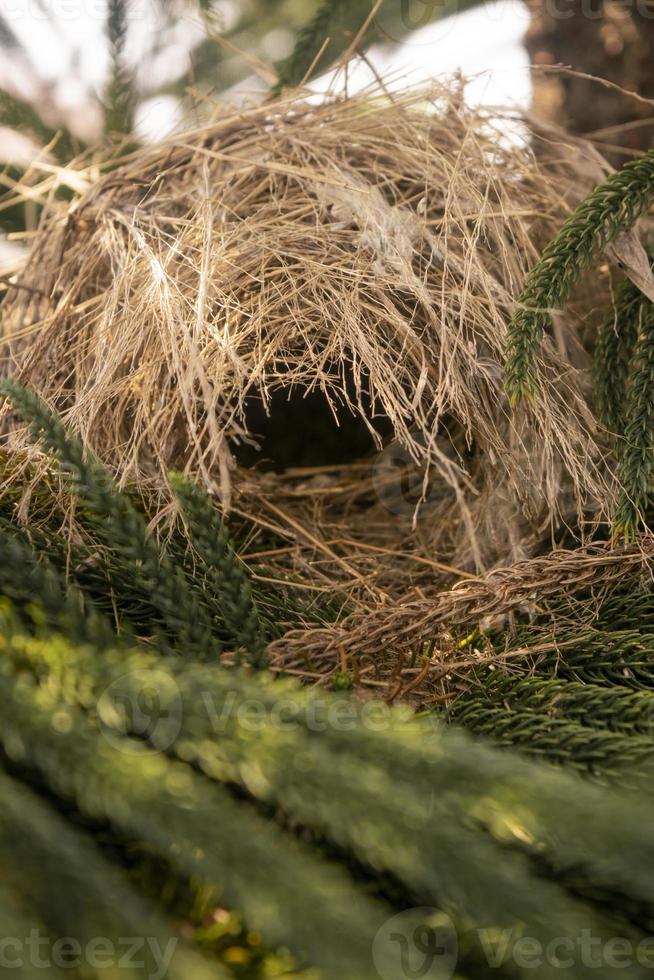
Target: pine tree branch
226,576
19,921
612,207
344,794
291,896
117,522
45,598
327,25
119,97
589,705
613,354
47,859
637,458
17,114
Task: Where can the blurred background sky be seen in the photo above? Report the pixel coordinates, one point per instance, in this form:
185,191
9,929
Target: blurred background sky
61,59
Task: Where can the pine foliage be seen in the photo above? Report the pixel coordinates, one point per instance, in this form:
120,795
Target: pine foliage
17,114
524,809
44,856
605,753
637,456
624,352
336,23
116,521
383,813
18,923
292,897
612,207
585,700
119,96
227,577
623,376
314,816
613,355
196,594
44,597
312,38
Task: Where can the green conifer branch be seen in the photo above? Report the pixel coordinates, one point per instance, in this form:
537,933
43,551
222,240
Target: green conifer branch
612,207
287,893
47,858
119,98
614,349
637,459
44,596
624,760
123,529
387,822
614,708
17,114
226,576
621,658
18,920
310,39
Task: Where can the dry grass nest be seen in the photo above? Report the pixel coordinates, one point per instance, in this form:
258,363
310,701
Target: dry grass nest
304,306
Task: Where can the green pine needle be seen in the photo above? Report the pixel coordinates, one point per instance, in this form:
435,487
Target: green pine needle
327,24
45,599
613,355
119,97
637,458
117,522
612,207
226,576
47,858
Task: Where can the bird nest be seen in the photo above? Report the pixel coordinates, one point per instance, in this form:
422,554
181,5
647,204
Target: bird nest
305,307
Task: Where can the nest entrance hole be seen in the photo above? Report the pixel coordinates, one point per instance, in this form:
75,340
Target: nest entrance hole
298,428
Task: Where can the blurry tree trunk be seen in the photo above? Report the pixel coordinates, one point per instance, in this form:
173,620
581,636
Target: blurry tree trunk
612,39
